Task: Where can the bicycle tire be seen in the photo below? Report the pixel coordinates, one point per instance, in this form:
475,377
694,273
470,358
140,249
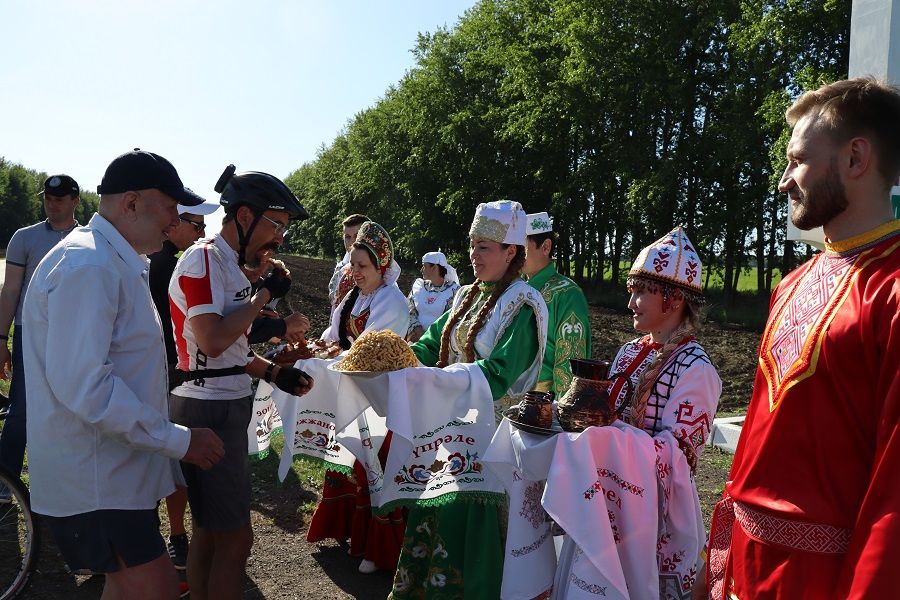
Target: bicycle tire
19,533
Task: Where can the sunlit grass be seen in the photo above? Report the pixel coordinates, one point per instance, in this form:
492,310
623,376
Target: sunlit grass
746,278
4,384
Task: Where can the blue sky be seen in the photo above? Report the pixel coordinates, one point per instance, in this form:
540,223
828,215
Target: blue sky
259,84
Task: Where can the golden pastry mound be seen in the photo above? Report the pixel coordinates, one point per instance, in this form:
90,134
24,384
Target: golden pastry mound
378,351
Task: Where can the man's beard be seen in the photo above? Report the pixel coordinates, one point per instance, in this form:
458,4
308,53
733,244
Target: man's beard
253,262
825,200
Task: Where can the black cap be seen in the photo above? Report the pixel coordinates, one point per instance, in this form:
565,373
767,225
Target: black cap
60,185
142,170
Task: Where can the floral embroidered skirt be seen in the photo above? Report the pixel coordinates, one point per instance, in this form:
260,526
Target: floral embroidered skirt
452,551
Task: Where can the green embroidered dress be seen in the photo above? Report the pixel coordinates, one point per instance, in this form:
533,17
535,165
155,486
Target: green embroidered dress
455,550
568,328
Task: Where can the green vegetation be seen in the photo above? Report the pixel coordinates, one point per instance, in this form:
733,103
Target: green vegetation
20,204
746,278
712,471
4,383
623,119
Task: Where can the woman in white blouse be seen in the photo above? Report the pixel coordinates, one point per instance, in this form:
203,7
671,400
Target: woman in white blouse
432,294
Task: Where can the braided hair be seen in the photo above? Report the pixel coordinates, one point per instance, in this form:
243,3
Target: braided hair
343,339
512,273
689,324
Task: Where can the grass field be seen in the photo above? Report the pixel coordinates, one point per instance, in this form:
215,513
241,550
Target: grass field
4,384
746,279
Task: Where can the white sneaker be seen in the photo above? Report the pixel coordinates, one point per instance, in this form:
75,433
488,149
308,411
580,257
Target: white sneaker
367,566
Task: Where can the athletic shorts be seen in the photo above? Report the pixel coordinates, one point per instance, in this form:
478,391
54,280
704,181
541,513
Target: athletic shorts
92,540
220,497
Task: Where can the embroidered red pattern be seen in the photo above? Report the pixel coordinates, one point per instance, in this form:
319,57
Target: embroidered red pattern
661,262
694,428
634,359
690,272
798,535
719,546
357,325
790,346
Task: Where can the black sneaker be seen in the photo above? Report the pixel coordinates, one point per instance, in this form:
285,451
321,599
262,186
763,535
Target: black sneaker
178,550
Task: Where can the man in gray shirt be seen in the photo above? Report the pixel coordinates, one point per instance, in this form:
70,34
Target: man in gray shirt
25,250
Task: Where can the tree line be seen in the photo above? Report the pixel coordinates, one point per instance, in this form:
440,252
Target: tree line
20,204
622,118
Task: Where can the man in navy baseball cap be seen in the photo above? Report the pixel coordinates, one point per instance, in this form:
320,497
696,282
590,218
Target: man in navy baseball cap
142,170
99,484
60,185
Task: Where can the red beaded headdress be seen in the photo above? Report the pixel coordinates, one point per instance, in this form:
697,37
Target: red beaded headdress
374,237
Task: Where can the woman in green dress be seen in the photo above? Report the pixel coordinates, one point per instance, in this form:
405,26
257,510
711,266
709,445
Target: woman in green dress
455,549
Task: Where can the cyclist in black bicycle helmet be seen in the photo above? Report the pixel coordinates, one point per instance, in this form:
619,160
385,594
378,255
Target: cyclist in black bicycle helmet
260,192
213,306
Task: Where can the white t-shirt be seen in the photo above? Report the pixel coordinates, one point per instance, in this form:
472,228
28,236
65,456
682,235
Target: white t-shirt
207,279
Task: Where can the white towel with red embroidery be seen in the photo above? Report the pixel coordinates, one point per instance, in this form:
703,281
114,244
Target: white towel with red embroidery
264,423
602,490
442,421
329,423
522,462
682,533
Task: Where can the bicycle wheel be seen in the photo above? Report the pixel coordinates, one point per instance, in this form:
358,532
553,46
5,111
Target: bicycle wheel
18,537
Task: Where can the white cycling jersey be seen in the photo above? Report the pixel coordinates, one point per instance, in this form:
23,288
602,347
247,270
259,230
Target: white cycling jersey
207,279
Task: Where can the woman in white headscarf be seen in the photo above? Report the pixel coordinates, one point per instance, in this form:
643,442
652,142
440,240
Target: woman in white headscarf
431,295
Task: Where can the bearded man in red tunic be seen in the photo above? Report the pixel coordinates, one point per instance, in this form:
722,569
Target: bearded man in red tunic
812,505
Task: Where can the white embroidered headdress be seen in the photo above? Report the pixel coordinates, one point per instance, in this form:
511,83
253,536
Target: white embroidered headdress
671,260
538,223
502,222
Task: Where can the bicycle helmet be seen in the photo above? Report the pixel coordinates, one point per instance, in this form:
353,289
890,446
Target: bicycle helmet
259,192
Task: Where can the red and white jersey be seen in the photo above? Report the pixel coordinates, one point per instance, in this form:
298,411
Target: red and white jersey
207,280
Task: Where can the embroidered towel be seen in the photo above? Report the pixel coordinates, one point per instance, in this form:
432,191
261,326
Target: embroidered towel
602,491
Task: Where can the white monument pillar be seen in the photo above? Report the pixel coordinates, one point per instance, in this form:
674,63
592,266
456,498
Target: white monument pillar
874,50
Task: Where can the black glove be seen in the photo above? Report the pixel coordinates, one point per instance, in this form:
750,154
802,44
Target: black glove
278,283
264,328
291,380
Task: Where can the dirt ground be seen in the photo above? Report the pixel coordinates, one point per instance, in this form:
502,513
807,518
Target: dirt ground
284,565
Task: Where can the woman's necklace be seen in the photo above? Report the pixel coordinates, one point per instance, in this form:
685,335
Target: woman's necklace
368,294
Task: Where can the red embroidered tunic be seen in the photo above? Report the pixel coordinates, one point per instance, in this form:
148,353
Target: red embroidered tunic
815,477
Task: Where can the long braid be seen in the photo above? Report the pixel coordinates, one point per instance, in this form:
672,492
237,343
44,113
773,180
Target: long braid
647,379
471,295
343,340
512,273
